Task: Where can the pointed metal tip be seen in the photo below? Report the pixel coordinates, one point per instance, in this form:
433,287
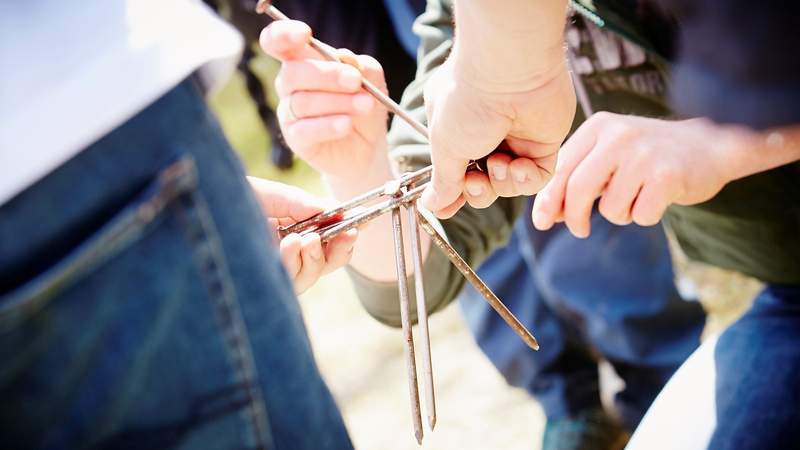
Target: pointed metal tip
432,422
418,435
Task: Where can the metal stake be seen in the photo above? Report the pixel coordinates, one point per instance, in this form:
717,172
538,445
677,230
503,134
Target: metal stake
422,315
405,319
476,281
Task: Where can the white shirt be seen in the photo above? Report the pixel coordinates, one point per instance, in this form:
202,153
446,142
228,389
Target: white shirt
70,72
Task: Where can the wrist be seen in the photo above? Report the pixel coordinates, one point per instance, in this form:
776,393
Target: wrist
488,77
345,187
513,46
748,151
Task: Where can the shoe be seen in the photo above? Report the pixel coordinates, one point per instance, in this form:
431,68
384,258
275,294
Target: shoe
591,429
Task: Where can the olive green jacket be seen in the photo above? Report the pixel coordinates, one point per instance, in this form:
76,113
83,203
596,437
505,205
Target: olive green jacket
622,73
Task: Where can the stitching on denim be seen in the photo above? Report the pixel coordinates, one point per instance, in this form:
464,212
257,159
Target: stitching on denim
127,226
202,234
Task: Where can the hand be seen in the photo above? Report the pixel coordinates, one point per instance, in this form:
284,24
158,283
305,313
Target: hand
469,122
637,167
306,258
325,116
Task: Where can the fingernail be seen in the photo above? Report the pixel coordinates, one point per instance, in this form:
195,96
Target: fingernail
341,125
474,189
499,173
363,103
521,177
316,253
349,78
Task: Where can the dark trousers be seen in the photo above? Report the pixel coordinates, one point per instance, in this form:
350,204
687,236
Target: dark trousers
611,296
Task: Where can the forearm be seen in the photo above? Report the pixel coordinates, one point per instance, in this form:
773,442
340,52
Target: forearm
510,45
748,152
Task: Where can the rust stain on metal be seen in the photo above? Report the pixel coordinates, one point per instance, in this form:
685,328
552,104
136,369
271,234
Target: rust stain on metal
405,320
476,281
422,315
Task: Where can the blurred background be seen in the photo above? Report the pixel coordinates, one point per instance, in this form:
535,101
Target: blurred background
362,360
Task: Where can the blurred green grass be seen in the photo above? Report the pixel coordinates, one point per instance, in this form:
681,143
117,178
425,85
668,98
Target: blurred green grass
248,135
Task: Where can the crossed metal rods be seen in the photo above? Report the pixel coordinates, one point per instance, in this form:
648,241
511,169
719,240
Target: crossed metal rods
401,192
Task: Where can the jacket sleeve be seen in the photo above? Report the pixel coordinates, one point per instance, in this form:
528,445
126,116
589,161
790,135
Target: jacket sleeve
473,233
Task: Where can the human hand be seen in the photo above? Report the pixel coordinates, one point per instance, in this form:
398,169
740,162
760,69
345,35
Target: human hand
326,117
305,257
637,167
468,121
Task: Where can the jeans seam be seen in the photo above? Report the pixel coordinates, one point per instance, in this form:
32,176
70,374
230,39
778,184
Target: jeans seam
213,268
129,224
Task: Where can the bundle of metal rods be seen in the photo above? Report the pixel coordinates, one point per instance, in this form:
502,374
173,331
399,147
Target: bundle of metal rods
403,192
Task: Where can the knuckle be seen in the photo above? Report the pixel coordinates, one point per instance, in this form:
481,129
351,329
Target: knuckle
666,177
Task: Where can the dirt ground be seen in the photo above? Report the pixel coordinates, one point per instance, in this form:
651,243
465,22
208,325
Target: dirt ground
363,363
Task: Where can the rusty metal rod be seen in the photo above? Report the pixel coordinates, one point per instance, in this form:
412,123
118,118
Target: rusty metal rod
333,230
264,7
405,320
476,281
314,222
422,315
341,209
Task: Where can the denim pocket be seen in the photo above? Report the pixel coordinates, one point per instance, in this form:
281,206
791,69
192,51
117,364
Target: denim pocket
120,231
135,337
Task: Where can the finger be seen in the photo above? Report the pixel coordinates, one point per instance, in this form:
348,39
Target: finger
290,254
549,203
287,39
313,261
447,183
526,176
339,250
478,190
307,104
313,75
451,209
585,185
497,166
617,200
306,134
280,200
656,195
372,70
649,206
346,56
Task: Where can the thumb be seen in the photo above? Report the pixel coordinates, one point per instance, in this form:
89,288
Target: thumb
447,181
283,201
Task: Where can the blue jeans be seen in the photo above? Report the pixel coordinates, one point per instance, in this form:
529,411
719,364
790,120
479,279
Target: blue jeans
610,296
143,307
757,363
